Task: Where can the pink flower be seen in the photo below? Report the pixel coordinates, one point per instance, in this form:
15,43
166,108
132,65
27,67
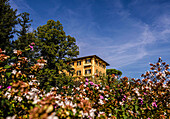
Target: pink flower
0,86
96,85
141,101
154,104
145,93
91,83
101,97
9,87
32,43
148,118
86,83
87,80
31,47
123,99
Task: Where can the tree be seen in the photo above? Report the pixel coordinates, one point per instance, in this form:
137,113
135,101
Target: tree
23,35
57,49
114,71
8,20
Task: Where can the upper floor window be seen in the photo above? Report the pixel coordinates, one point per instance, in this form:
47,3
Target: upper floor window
103,66
88,61
78,72
88,71
100,64
96,62
78,63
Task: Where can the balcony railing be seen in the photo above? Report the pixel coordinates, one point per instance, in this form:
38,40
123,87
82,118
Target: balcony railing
87,64
87,74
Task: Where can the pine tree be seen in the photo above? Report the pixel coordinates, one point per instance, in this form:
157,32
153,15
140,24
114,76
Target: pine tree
23,35
8,20
57,49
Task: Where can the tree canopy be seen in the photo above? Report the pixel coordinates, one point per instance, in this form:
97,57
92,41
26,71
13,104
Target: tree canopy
57,48
8,20
113,71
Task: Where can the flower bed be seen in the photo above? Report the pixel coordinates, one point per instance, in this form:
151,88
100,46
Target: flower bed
21,96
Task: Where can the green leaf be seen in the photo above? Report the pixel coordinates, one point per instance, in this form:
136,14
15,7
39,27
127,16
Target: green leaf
13,57
136,107
7,66
8,74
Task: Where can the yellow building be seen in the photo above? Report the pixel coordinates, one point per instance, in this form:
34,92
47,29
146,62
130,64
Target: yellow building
89,66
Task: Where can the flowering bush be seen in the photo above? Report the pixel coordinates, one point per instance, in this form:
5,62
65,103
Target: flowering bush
21,96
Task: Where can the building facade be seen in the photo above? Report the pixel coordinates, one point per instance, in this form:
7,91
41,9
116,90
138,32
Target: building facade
89,66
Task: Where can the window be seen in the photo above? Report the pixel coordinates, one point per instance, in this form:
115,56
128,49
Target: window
100,64
78,63
96,62
103,66
88,71
88,61
79,73
72,64
71,73
97,71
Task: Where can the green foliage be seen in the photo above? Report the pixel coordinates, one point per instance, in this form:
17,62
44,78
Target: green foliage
7,23
24,38
57,49
113,71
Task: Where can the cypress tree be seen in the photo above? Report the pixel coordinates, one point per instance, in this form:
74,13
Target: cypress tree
8,20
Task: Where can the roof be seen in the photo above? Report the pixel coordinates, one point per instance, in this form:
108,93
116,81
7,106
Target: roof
107,64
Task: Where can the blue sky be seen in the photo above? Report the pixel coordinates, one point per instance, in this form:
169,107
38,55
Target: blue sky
128,34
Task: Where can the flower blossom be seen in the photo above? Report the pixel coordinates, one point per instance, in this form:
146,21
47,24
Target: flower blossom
141,101
87,80
31,47
91,83
9,87
86,83
154,104
101,97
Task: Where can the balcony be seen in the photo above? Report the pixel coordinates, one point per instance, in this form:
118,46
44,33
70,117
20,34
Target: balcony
87,64
87,74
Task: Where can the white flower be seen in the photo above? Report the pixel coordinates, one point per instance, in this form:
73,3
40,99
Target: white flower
86,98
78,88
14,51
14,71
30,83
101,102
36,100
31,76
27,96
13,117
74,111
19,99
121,103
